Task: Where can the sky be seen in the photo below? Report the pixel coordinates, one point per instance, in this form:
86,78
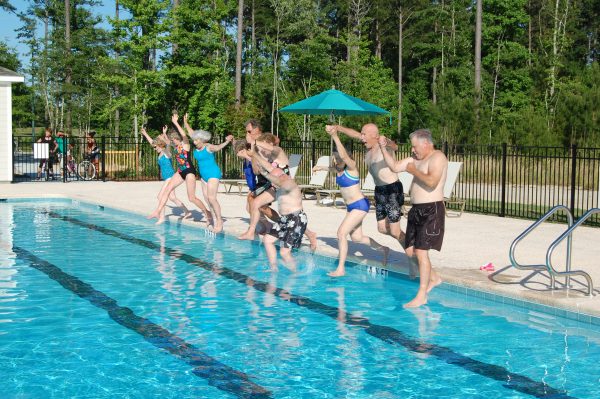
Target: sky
10,22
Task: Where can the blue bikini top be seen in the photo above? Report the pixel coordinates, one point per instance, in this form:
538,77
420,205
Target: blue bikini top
346,179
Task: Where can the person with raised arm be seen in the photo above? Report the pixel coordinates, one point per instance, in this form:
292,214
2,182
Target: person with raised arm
161,145
186,173
210,173
347,177
426,218
267,147
292,222
389,194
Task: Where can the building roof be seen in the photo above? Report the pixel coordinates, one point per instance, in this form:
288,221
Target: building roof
6,75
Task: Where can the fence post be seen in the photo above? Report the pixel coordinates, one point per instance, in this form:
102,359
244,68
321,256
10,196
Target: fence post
103,152
445,148
573,176
503,181
313,153
65,141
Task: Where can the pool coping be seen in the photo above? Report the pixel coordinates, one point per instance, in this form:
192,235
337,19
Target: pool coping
451,281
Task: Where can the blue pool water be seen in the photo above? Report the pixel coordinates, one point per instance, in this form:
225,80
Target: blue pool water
97,303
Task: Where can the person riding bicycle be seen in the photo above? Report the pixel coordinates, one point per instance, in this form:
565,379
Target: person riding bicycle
92,151
48,163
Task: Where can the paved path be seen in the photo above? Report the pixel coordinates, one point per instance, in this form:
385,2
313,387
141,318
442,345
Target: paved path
470,241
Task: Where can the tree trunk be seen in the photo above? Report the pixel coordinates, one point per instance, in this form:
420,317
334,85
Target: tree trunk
478,19
68,71
496,74
117,90
174,46
377,40
400,44
434,86
238,55
253,41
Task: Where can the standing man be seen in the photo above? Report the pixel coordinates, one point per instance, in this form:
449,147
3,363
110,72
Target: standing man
389,195
61,139
52,147
426,218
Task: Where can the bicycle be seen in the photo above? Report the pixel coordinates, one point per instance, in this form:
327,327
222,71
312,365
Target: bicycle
86,168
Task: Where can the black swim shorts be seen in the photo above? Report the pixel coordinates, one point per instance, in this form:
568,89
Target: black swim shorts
388,202
425,228
290,229
187,171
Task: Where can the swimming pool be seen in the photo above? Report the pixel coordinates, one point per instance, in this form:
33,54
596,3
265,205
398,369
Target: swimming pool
99,303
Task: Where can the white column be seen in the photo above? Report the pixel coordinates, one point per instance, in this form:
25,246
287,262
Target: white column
6,155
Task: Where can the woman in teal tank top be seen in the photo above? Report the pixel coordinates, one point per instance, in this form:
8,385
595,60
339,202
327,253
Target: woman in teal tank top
210,172
161,146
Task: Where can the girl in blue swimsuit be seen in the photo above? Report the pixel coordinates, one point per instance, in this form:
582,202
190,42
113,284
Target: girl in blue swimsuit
185,174
347,177
160,144
210,172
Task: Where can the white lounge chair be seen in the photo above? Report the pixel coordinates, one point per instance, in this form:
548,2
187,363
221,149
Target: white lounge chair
317,179
449,197
368,189
406,179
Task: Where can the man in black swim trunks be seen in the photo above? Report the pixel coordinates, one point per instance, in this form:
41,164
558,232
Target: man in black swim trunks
426,218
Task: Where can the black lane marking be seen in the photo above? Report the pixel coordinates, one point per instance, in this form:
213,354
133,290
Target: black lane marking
387,334
216,373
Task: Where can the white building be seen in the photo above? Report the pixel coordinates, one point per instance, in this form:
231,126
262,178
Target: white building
7,78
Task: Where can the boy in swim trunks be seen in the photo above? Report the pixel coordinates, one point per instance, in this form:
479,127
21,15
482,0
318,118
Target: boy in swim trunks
425,229
293,221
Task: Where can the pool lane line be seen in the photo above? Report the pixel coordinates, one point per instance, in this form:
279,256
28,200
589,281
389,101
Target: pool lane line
510,380
216,373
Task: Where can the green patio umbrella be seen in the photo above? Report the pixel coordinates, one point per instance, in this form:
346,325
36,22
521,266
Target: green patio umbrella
335,103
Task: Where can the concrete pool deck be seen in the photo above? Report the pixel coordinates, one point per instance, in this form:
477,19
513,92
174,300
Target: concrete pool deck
471,241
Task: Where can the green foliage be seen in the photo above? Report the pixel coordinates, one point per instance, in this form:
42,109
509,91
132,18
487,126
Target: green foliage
539,76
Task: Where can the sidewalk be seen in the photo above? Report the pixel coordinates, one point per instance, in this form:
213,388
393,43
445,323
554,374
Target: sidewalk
470,241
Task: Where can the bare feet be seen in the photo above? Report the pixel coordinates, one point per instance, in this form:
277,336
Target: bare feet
312,237
434,283
386,254
209,219
416,302
218,227
153,215
160,220
337,273
248,235
187,214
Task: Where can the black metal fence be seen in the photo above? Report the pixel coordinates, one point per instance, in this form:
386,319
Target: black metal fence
503,180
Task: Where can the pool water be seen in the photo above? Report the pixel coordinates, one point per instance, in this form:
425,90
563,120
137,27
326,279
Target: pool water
97,303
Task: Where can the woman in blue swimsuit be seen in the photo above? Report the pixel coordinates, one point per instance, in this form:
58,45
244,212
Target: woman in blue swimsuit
161,145
347,177
186,173
210,172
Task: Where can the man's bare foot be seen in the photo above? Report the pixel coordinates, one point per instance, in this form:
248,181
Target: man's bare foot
248,235
153,215
312,238
337,273
416,302
386,254
434,283
160,220
218,227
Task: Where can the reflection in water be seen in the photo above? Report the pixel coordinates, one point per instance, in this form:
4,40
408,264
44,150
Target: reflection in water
428,323
352,375
8,272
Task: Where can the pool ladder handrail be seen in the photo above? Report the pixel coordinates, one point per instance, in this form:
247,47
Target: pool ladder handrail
525,233
568,234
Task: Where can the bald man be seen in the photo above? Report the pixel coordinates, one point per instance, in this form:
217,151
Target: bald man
389,194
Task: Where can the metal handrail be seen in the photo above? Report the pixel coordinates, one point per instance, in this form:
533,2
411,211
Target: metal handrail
525,233
567,234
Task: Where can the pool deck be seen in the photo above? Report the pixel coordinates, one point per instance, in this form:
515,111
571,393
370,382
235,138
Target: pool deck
470,241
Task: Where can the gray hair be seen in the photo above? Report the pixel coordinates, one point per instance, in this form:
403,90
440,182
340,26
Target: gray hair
201,135
422,134
254,123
